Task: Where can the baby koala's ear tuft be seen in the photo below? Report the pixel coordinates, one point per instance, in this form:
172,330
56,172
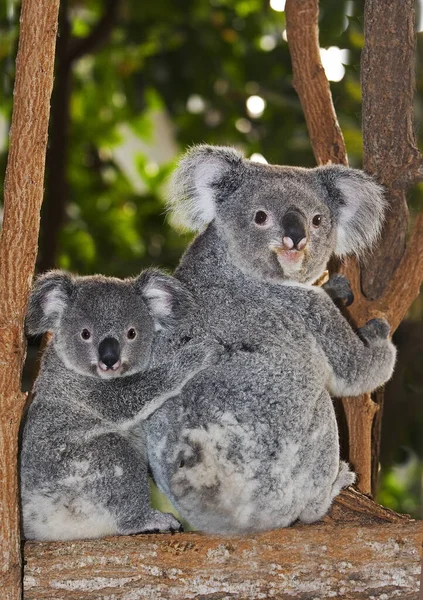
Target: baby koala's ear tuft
358,205
195,184
49,297
165,296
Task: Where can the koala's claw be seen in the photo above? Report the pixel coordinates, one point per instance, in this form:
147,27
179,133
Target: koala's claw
339,289
375,329
349,299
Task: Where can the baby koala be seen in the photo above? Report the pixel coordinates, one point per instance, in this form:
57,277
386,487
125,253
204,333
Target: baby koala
83,457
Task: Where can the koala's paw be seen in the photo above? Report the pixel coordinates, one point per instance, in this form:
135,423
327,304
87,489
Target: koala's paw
162,522
155,521
339,289
375,330
345,477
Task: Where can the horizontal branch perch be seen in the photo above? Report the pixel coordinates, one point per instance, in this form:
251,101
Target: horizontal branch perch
372,552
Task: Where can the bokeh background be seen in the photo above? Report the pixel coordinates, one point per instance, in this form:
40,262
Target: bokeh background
135,84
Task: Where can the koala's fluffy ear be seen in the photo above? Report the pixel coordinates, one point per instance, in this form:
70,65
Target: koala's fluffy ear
49,297
194,187
358,205
165,296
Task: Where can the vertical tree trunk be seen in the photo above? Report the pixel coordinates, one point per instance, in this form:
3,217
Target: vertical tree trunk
18,248
390,280
390,148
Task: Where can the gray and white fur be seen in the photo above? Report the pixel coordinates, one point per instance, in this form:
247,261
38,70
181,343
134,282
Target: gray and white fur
251,443
83,464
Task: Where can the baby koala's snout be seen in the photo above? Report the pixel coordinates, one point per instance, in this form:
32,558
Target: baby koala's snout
109,354
294,226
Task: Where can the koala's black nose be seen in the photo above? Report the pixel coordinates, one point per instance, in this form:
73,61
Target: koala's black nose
295,234
109,352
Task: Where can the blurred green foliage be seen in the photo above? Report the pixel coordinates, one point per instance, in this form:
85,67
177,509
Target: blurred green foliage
171,74
158,56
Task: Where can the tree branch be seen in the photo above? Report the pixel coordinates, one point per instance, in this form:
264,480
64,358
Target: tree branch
311,82
332,559
98,36
404,287
390,149
18,248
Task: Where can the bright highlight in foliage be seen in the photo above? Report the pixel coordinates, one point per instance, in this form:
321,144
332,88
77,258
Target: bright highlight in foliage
195,104
332,59
267,43
255,106
278,5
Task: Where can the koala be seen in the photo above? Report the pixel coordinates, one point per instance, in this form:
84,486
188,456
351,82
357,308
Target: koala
83,465
251,443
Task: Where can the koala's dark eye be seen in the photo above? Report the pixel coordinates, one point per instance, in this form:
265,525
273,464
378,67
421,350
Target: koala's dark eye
260,217
317,219
131,334
85,334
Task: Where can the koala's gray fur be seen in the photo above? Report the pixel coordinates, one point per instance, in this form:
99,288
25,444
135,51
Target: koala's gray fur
83,456
251,443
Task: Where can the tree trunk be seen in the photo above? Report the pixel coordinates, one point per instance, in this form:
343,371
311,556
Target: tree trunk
18,248
389,281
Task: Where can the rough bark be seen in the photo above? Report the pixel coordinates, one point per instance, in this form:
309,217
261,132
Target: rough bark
359,423
18,249
371,553
389,280
390,150
311,83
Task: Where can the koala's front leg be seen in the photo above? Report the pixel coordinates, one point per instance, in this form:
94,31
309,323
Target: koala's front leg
150,390
357,363
122,486
186,362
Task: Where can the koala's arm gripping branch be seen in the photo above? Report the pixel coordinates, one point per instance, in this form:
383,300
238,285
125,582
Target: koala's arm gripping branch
356,366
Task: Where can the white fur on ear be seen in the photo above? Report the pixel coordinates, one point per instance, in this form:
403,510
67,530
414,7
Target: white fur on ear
361,218
166,298
159,300
191,193
49,297
55,302
358,205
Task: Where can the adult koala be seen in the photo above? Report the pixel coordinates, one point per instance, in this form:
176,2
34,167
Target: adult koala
252,442
83,458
